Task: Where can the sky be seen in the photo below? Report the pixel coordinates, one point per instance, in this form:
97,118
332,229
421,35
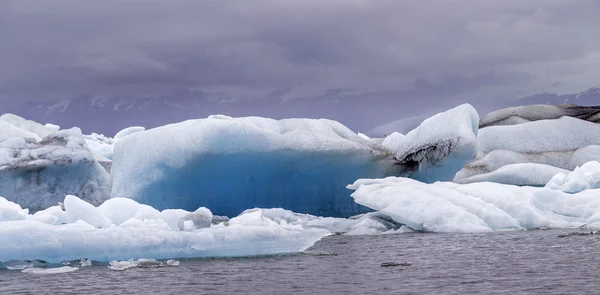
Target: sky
454,50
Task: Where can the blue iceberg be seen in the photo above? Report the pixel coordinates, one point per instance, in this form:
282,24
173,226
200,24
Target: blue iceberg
232,164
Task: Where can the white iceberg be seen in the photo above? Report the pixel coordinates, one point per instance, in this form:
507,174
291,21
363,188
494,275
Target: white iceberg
476,207
530,113
88,232
580,179
38,174
563,143
440,146
232,164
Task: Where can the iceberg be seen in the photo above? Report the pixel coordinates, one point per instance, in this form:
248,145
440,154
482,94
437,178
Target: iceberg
440,146
580,179
38,174
476,207
530,113
88,231
232,164
563,143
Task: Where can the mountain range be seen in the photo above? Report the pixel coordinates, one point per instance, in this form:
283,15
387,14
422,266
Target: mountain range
108,114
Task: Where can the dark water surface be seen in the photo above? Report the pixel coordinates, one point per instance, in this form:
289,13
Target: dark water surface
518,262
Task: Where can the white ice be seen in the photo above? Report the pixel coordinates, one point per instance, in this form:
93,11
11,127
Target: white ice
477,207
38,174
232,164
123,229
522,174
49,271
440,146
564,143
27,125
582,178
128,131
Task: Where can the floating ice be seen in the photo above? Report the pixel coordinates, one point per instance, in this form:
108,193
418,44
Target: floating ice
440,146
49,271
232,164
582,178
38,175
140,263
451,207
522,174
563,143
530,113
122,229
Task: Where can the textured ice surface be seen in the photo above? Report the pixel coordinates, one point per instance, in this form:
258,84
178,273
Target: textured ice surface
128,131
140,263
582,178
529,113
440,146
531,174
52,127
99,233
49,271
38,174
451,207
394,141
8,130
100,145
232,164
563,143
26,125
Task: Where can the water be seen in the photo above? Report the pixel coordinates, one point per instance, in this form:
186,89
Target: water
527,262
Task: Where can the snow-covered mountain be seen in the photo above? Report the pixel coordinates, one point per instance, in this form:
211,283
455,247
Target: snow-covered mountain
110,113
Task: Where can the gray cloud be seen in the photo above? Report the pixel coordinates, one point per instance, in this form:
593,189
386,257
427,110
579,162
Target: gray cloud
449,49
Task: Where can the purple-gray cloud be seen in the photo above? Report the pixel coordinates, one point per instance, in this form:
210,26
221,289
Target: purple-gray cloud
63,48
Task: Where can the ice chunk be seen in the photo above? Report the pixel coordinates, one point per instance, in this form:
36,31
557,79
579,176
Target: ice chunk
27,125
440,146
38,175
100,145
394,141
524,114
80,210
49,271
51,215
451,207
232,164
564,143
582,178
140,263
52,127
11,211
200,218
146,234
128,131
9,131
531,174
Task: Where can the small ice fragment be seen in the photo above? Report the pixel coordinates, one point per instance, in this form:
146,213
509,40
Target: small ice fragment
45,271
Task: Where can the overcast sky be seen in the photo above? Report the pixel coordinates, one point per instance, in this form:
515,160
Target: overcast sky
469,49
